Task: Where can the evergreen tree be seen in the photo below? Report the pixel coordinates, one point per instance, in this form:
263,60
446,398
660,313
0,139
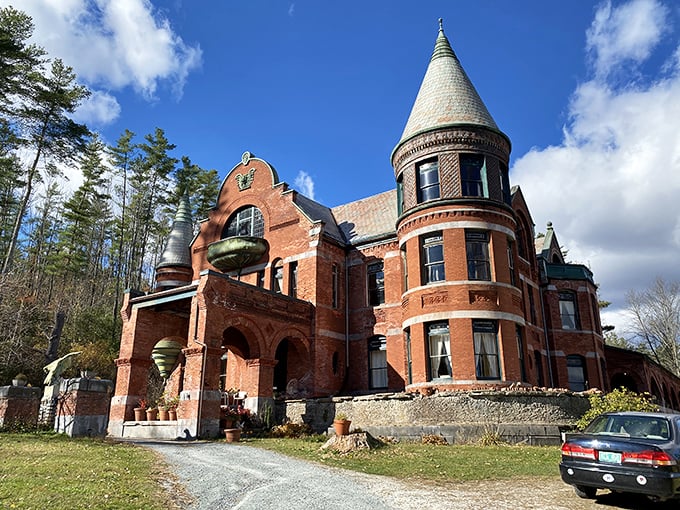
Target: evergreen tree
201,185
86,215
17,58
47,131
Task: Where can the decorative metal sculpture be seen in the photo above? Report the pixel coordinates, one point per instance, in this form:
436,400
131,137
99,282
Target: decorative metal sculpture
165,354
55,369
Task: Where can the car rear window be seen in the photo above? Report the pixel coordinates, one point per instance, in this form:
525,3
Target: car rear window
640,427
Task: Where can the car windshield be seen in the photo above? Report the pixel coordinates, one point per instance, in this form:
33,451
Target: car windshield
641,427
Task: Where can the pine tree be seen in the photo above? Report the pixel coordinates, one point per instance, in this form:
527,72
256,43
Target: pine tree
47,131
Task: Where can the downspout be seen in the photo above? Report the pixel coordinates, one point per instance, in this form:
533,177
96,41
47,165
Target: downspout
545,326
346,321
202,378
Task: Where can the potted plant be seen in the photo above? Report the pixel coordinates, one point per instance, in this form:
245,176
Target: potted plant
163,413
151,412
341,424
19,380
140,410
172,403
234,419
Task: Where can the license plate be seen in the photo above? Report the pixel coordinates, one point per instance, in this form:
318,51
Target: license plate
610,457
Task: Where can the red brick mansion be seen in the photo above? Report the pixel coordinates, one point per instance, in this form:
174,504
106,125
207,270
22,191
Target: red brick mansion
438,284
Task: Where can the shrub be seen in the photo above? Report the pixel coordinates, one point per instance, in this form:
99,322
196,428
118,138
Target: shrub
290,430
433,439
620,399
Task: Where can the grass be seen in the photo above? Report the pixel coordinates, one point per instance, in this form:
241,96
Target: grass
46,470
431,462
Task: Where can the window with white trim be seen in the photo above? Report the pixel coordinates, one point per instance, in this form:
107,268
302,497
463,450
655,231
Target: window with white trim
377,362
568,310
439,347
485,337
432,261
477,252
473,175
428,181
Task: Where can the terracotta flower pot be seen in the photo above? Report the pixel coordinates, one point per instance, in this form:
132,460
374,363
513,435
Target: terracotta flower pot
151,414
341,427
172,414
140,414
163,414
232,435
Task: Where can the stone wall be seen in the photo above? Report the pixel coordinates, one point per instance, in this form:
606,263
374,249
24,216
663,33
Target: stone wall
535,417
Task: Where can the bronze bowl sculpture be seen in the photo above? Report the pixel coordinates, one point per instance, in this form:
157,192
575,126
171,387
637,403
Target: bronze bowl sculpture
235,253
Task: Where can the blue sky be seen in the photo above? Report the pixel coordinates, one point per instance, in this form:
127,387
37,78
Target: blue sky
588,92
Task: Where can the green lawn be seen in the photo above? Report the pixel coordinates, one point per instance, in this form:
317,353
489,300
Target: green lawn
432,462
40,471
45,470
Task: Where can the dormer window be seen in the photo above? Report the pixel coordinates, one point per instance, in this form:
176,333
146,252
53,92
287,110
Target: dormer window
247,221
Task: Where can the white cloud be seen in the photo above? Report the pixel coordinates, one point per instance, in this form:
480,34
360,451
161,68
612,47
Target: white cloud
291,9
625,33
99,109
305,184
114,43
611,187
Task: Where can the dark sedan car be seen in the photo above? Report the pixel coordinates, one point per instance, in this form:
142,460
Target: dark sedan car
625,452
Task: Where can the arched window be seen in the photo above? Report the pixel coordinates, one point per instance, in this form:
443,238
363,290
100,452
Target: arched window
576,372
247,221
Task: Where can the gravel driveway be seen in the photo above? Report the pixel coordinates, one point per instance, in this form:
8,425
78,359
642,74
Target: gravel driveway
219,475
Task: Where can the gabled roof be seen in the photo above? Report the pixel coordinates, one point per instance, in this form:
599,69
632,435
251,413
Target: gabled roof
547,246
317,212
446,96
374,217
370,218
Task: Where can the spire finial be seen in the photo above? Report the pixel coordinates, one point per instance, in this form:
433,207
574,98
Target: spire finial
441,24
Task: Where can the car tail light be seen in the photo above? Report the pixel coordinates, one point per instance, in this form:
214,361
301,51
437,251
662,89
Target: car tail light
648,458
577,451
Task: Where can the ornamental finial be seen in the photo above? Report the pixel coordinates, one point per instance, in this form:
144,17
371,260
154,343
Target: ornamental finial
441,24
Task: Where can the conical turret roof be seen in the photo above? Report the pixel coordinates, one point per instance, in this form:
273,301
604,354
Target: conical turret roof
176,252
446,96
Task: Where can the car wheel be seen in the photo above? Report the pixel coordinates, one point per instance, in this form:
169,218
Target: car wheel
585,492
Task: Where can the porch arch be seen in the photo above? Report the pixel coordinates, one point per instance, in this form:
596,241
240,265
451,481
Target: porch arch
293,370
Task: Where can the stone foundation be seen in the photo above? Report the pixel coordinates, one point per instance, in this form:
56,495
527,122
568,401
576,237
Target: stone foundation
534,417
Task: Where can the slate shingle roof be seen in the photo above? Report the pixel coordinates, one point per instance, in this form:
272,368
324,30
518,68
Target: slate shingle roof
369,218
374,217
446,96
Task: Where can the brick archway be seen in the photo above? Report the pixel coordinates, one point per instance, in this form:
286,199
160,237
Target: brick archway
293,370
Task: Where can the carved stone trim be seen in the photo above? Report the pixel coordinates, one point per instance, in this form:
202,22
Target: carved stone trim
192,351
434,299
483,296
126,362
